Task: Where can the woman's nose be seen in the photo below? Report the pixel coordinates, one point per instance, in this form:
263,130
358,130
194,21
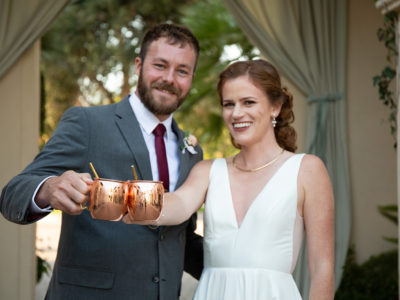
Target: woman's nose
237,111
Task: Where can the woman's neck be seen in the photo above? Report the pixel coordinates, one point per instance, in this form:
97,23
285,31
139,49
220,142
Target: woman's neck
257,154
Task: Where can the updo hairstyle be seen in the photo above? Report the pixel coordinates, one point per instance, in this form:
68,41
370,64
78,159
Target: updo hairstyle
265,77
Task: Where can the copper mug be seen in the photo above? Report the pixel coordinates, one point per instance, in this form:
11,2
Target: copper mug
138,200
108,199
144,201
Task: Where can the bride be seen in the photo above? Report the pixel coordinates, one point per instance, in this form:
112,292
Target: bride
258,203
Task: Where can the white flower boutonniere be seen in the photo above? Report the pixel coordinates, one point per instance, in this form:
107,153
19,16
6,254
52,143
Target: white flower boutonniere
189,142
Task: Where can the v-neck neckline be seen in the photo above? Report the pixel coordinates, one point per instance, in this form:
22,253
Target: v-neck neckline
238,227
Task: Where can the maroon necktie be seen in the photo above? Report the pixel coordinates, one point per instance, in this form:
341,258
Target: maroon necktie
162,163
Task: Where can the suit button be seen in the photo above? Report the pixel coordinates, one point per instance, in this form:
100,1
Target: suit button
156,279
162,237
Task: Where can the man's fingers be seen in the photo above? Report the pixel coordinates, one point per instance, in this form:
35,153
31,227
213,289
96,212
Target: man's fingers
62,202
86,178
81,185
73,209
69,191
77,196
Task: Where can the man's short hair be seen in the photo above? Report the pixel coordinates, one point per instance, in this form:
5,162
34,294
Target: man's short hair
175,34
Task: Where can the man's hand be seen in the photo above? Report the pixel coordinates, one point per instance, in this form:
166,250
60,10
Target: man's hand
66,192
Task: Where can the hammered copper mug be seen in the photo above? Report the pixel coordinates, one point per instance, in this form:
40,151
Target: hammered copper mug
144,201
108,199
138,200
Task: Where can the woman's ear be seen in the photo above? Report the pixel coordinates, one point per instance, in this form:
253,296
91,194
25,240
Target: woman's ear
276,110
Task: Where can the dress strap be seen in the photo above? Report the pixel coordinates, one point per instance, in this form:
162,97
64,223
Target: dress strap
216,166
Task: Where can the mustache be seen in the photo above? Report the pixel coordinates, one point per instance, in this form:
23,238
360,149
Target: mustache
167,87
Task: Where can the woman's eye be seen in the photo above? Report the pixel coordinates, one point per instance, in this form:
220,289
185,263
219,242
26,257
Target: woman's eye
227,104
249,102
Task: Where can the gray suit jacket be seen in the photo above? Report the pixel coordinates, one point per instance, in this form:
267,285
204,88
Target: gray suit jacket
102,259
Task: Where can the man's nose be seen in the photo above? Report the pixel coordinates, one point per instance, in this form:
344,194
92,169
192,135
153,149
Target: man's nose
168,76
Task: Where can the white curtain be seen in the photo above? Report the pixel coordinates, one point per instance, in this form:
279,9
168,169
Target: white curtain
22,22
306,41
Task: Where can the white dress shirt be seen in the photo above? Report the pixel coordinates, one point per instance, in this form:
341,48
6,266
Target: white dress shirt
148,122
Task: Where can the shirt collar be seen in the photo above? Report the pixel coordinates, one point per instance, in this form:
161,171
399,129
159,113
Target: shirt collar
146,118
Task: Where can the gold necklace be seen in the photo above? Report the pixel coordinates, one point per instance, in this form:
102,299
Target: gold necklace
259,168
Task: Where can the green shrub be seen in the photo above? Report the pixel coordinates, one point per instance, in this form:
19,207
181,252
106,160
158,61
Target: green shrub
376,279
43,267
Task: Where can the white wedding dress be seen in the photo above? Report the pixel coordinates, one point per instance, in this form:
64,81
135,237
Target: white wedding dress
253,261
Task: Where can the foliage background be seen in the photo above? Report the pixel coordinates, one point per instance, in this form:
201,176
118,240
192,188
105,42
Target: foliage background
375,279
88,58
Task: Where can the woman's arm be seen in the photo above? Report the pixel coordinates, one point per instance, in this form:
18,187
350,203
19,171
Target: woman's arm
181,204
318,209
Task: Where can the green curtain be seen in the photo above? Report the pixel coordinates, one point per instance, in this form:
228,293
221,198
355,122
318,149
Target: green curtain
306,41
22,22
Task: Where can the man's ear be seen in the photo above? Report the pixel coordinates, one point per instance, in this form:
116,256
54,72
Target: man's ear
138,65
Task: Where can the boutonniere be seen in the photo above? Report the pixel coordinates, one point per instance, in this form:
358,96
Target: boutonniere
189,142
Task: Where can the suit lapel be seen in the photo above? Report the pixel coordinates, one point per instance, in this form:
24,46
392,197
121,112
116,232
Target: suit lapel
183,157
130,130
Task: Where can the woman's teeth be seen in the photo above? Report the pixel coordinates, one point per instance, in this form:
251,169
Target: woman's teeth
241,125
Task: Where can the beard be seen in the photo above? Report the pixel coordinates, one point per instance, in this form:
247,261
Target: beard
159,107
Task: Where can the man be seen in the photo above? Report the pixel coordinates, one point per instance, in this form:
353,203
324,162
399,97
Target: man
113,260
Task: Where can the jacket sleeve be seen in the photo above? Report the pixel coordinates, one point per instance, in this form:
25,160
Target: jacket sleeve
66,150
193,250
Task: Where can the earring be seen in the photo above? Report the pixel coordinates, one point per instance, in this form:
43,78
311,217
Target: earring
274,121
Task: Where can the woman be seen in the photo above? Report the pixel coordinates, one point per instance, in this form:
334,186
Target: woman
258,202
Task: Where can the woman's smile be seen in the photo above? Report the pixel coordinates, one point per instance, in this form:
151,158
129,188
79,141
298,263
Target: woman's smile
241,126
247,111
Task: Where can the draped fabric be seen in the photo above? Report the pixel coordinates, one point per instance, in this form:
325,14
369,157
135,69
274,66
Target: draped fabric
22,23
306,41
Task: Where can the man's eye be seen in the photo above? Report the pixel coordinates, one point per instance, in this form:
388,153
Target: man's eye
159,66
183,72
249,102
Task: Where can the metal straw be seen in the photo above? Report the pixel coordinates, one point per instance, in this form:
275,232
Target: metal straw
134,172
93,170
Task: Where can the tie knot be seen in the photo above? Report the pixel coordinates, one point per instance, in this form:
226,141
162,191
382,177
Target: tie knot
159,130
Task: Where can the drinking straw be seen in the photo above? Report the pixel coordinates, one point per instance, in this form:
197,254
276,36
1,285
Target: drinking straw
134,172
93,170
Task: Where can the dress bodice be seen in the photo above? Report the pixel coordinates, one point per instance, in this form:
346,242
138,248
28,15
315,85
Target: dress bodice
265,237
263,250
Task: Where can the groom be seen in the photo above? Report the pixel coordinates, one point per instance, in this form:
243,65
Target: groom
112,260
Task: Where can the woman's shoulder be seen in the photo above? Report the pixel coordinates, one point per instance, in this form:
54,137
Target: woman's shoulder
312,168
311,161
203,165
201,171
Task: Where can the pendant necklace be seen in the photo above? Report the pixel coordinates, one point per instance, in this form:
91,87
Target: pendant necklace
258,168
